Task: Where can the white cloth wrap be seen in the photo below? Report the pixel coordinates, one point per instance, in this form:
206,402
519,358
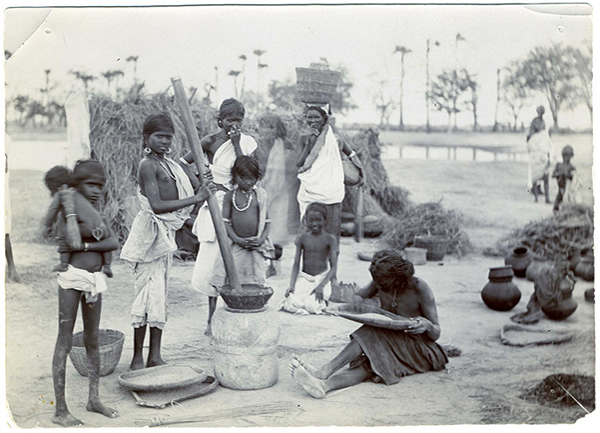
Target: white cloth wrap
91,283
541,155
323,181
303,301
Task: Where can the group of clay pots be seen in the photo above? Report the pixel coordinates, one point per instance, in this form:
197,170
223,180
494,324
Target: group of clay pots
501,294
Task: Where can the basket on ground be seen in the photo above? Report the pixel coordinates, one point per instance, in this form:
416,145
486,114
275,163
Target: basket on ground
110,344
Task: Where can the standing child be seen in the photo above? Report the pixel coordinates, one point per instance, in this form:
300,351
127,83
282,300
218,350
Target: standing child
247,224
563,172
58,180
311,288
166,195
82,283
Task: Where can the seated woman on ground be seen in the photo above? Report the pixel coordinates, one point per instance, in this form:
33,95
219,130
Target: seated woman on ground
380,354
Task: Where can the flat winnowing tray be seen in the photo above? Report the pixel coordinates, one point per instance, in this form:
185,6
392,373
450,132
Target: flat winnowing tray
372,316
161,399
162,377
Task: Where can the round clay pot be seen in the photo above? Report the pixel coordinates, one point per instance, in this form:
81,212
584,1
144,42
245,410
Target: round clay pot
251,297
589,295
585,268
520,258
565,305
574,260
536,267
500,293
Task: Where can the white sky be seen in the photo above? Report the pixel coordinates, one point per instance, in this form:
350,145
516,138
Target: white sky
190,41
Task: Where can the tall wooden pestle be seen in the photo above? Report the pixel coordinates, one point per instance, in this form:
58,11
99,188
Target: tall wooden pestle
213,205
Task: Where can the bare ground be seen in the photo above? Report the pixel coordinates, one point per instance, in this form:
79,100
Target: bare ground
482,386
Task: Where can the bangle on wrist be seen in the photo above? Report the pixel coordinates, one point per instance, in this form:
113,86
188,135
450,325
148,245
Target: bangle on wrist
70,215
183,160
353,153
86,246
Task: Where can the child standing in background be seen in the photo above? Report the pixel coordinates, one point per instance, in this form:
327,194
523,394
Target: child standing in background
563,172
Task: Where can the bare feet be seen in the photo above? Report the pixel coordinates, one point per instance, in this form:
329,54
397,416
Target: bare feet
208,331
97,406
66,420
313,371
137,363
155,361
311,384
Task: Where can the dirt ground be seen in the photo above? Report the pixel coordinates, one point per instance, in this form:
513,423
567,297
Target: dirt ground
482,386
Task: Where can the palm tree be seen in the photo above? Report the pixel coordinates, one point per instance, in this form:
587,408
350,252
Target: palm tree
258,54
133,59
427,85
21,103
85,78
235,74
47,88
116,74
108,75
243,58
403,51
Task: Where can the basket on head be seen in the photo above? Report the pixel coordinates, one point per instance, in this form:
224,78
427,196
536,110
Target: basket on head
110,344
317,84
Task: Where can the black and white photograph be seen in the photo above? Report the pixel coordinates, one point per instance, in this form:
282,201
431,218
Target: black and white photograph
264,215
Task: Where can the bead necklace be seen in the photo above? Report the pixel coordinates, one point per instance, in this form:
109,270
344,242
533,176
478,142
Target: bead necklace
165,166
248,198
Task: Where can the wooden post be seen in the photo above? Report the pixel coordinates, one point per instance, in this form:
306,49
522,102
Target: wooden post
455,153
474,154
426,152
213,205
358,215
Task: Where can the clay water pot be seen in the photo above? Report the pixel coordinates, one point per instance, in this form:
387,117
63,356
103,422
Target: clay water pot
520,258
574,260
500,293
589,295
585,268
563,307
536,267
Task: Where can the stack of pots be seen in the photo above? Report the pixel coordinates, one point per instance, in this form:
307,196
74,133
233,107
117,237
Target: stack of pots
436,246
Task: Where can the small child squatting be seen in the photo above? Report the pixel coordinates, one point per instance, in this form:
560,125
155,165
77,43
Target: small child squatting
310,289
563,172
58,181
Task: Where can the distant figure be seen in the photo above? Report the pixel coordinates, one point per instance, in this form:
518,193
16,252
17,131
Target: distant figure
310,288
540,151
566,177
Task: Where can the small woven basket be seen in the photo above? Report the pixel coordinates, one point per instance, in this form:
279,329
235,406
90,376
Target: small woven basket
317,85
110,344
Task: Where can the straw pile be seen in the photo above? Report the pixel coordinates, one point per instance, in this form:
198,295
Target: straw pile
403,220
116,141
570,229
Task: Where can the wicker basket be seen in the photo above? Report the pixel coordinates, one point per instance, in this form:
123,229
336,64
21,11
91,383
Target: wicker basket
111,345
317,85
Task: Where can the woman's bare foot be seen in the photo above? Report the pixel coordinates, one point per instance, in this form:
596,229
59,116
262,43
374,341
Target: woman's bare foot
155,361
99,407
137,363
311,384
313,371
66,420
208,331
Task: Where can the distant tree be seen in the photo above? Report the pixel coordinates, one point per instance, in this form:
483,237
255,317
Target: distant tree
235,74
551,70
117,73
383,103
583,77
57,110
34,109
445,92
284,94
21,104
85,78
471,84
514,92
403,51
243,58
134,59
342,100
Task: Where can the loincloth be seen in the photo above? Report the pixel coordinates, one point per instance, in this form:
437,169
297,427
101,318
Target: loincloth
90,283
303,301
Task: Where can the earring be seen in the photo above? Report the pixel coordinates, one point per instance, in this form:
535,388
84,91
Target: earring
147,151
169,150
220,123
